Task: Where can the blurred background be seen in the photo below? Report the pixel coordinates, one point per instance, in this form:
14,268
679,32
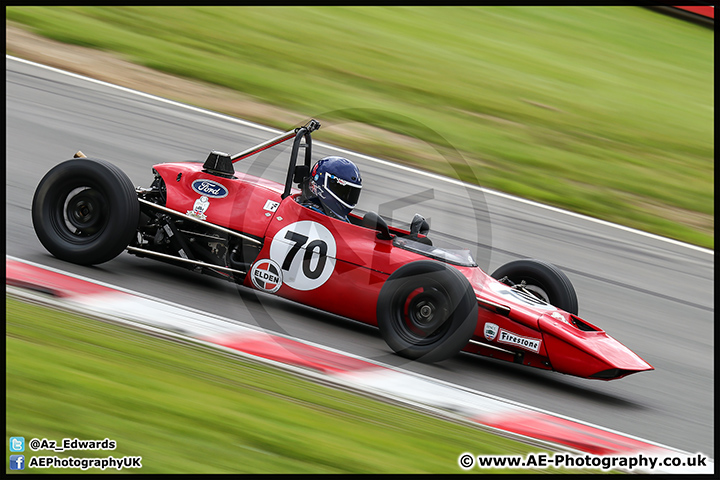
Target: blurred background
606,111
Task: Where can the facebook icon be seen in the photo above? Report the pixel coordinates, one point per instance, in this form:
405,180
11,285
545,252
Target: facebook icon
17,462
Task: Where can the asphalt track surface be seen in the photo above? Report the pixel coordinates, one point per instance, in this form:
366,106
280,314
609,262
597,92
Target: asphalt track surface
654,296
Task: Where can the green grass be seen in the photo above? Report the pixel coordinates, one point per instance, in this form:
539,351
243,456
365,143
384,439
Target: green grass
607,111
187,409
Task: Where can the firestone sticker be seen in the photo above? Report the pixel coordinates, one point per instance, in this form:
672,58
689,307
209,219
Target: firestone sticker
266,276
528,343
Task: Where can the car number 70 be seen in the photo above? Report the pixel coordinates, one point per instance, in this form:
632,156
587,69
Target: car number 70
299,241
305,252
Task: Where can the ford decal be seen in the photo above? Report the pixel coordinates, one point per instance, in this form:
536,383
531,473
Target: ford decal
209,188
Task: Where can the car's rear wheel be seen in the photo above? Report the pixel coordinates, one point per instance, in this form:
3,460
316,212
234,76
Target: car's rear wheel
543,280
85,211
427,311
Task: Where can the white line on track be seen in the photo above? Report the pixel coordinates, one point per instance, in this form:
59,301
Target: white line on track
369,158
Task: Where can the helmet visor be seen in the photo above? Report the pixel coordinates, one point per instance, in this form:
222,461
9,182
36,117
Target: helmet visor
345,192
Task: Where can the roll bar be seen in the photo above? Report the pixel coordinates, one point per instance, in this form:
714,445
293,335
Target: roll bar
295,173
298,134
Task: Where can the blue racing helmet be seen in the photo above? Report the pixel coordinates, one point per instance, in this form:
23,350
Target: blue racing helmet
335,183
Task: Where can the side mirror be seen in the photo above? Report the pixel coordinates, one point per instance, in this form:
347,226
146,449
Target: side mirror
376,222
419,225
301,171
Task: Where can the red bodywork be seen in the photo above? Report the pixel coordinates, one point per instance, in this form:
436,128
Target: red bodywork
707,11
340,268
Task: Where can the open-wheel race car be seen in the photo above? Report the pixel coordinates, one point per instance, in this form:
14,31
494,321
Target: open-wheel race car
429,303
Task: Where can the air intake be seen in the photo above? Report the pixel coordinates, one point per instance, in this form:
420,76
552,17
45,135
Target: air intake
220,164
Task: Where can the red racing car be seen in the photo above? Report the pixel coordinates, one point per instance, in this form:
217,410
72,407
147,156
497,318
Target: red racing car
429,303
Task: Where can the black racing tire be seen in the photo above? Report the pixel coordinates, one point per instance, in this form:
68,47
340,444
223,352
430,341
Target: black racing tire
85,211
427,311
544,280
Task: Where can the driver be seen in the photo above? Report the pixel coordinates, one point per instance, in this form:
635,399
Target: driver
333,187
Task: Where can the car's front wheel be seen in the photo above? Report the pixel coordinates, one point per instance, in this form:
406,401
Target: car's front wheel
85,211
427,311
543,280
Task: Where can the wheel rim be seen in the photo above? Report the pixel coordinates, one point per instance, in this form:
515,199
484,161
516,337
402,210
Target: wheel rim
81,214
538,292
421,315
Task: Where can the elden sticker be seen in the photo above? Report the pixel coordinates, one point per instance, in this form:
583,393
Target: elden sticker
266,276
532,344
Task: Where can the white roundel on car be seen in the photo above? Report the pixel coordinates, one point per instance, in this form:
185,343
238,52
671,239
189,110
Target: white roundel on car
305,252
520,296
